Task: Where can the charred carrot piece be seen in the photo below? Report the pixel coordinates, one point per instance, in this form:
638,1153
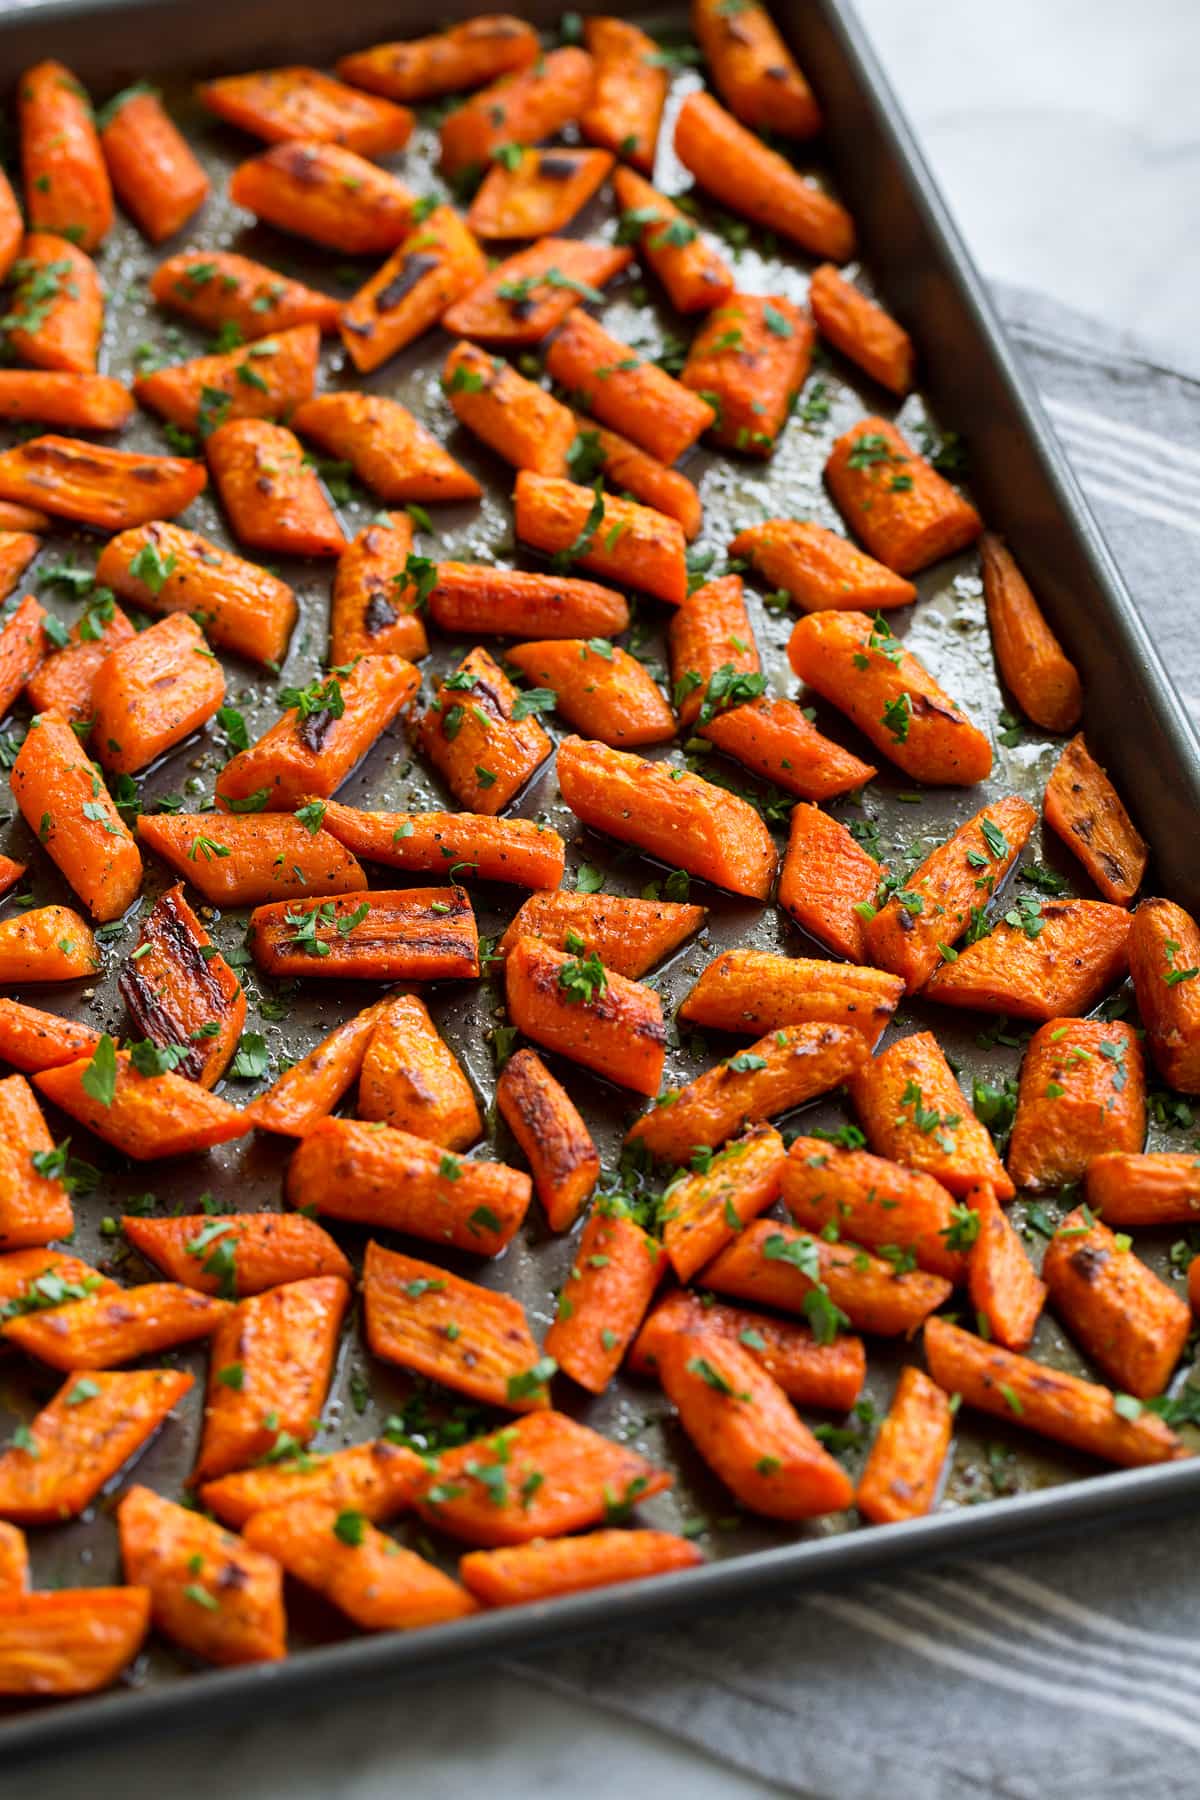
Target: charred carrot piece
470,846
689,823
374,599
34,1206
321,737
629,936
861,329
1035,668
518,419
872,1201
17,548
810,1372
376,1479
253,859
32,1040
37,1279
312,1087
12,226
110,489
577,1007
819,570
93,1426
1082,1091
906,514
153,171
780,1071
629,90
710,631
776,739
298,103
1057,1405
913,1112
327,194
22,642
1079,949
528,295
411,1079
1131,1188
776,1265
71,1641
525,1573
695,278
268,379
912,931
63,800
520,108
465,1336
599,689
752,990
901,1476
215,288
272,496
238,1253
67,188
553,1138
52,943
707,1208
14,1562
165,569
480,737
540,192
449,62
558,1476
107,1329
148,1116
389,450
615,538
757,183
748,360
435,264
753,70
180,992
152,692
410,934
10,873
625,391
743,1425
375,1175
57,307
284,1342
470,600
1164,960
1006,1293
893,700
1086,811
80,402
176,1555
632,470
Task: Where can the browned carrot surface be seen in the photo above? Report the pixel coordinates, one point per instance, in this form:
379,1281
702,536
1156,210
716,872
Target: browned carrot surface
523,299
52,943
219,288
1036,669
249,859
156,175
830,1285
1042,961
478,601
704,1209
389,450
70,1641
752,990
553,1137
374,610
450,62
811,1372
435,264
1086,811
604,1299
410,1078
467,846
629,90
748,360
92,1427
628,935
153,692
695,277
905,512
93,485
1004,1290
409,934
164,568
106,1329
913,1111
1157,1187
900,1479
63,800
541,192
572,1004
479,737
377,1479
282,105
234,1254
872,1201
1164,960
753,70
542,1571
63,684
57,309
67,188
180,992
1128,1321
272,496
327,194
145,1116
35,1206
860,329
521,108
1082,1091
617,539
819,570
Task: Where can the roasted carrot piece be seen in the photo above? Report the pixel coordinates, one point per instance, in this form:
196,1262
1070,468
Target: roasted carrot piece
299,103
67,189
251,859
528,295
819,570
706,1209
12,226
632,470
465,1336
780,1071
757,183
213,288
1125,1318
906,514
525,1573
470,600
436,263
21,518
749,359
22,642
17,548
1079,949
312,1087
63,800
710,631
57,308
479,737
861,329
616,538
625,391
320,739
10,873
752,990
389,450
148,1116
238,1253
541,192
107,1329
777,740
1005,1291
558,1476
180,992
164,569
1135,1188
376,1479
602,691
375,1175
272,496
553,1138
52,943
877,1203
410,1078
629,90
63,684
70,1641
629,936
577,1007
913,1112
154,691
177,1556
776,1265
14,1562
1060,1406
810,1372
688,822
1086,811
894,700
753,70
604,1298
268,379
110,489
326,194
949,891
374,602
901,1476
410,934
695,278
1082,1091
91,1428
1033,664
471,845
155,175
32,1040
35,1206
35,1279
520,108
518,419
449,62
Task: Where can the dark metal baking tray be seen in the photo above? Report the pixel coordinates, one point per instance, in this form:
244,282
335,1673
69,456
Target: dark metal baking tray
1134,720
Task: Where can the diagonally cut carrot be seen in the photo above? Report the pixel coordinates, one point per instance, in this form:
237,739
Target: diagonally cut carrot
106,1329
236,1254
524,1573
377,1479
901,1475
611,1282
72,1641
367,1575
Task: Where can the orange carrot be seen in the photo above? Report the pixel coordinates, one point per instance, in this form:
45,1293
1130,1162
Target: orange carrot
57,309
21,518
409,934
10,873
22,641
526,1573
312,1087
80,402
164,569
1131,1188
600,690
777,740
470,846
624,110
326,194
518,419
66,184
480,737
903,510
575,1006
52,943
17,548
14,1562
451,61
238,1253
376,1479
553,1138
411,1079
748,360
374,610
12,226
110,489
1082,1091
1006,1293
155,175
147,1116
1079,950
861,329
389,450
604,1298
753,70
180,993
528,295
284,105
215,288
632,470
695,277
540,192
63,800
70,1641
268,379
521,108
154,691
1125,1318
436,263
752,990
470,600
811,1373
35,1205
913,1112
1086,811
625,391
1033,664
629,936
252,859
36,1279
615,538
709,631
901,1476
904,1214
104,1330
32,1040
819,570
272,496
705,1209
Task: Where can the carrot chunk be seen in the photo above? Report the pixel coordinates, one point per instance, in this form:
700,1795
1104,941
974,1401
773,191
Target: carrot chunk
1164,960
272,496
1006,1293
523,107
906,514
410,1078
164,569
377,1479
624,110
63,800
35,1206
625,391
213,288
178,996
110,489
753,70
67,188
629,469
326,194
695,278
465,1336
470,846
1135,1188
475,601
1125,1318
810,1372
283,105
436,263
553,1138
106,1329
57,308
819,570
32,1280
389,450
14,1562
32,1040
268,379
518,419
629,936
52,943
17,548
1033,664
449,62
901,1212
409,934
151,166
861,329
145,1116
153,692
599,689
1077,951
71,1640
710,633
525,1573
64,682
1082,1091
374,1175
913,1112
707,1208
901,1476
1086,811
574,1005
617,539
12,226
374,610
529,294
604,1298
238,1253
479,736
749,359
777,740
252,858
541,192
10,873
752,991
312,1087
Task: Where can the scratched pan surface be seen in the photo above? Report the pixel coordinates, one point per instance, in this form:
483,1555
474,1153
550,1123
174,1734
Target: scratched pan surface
1002,1485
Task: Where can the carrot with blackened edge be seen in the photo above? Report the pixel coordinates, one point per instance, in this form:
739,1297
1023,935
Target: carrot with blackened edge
628,935
251,859
1042,960
819,570
153,170
1082,1091
164,568
748,361
810,1372
51,943
532,192
776,739
376,1479
1004,1288
410,1078
631,470
598,688
905,513
308,1092
556,1143
267,379
524,298
481,736
271,494
32,1040
12,226
448,62
435,264
22,642
80,402
518,419
238,1253
35,1204
56,313
17,548
1164,960
298,103
520,108
374,607
1160,1187
389,450
753,70
152,692
180,993
752,990
575,1006
709,631
629,90
467,846
705,1208
216,288
609,1286
106,1329
861,329
1033,664
326,194
93,485
1112,1303
146,1116
901,1476
14,1562
71,1641
902,1213
67,190
477,600
64,801
375,1175
695,278
1086,811
914,1112
525,1573
612,381
409,934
